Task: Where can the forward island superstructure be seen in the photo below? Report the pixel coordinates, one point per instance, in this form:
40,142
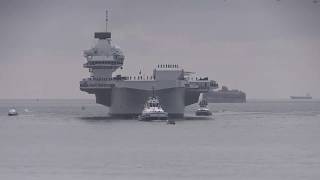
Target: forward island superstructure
126,95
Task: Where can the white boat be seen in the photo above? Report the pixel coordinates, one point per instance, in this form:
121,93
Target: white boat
203,110
12,112
153,110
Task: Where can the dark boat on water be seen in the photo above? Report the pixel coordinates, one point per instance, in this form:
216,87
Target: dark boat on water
307,96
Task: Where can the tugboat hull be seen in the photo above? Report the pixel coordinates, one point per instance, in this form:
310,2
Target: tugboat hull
12,114
203,113
154,116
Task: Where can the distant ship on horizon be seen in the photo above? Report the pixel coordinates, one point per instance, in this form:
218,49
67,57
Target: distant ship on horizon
224,95
307,96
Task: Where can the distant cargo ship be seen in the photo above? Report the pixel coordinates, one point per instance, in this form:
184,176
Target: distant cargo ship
307,96
224,95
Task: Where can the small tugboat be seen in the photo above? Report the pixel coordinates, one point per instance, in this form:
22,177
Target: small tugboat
153,110
12,112
203,110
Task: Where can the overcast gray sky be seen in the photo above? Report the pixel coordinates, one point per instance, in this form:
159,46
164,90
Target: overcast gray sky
268,49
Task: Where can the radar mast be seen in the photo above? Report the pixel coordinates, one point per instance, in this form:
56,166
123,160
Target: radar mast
106,20
106,34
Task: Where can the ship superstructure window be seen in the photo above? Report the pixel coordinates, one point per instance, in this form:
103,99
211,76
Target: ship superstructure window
153,104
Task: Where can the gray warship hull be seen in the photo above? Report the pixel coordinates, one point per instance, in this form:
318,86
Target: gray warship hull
129,102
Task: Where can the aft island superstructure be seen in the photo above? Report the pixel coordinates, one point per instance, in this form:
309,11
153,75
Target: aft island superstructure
126,95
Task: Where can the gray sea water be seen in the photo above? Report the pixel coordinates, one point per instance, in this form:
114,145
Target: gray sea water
57,139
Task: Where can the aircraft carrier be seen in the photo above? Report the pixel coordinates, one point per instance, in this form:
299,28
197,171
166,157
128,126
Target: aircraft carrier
126,95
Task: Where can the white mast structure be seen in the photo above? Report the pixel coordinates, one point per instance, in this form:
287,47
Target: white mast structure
106,20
